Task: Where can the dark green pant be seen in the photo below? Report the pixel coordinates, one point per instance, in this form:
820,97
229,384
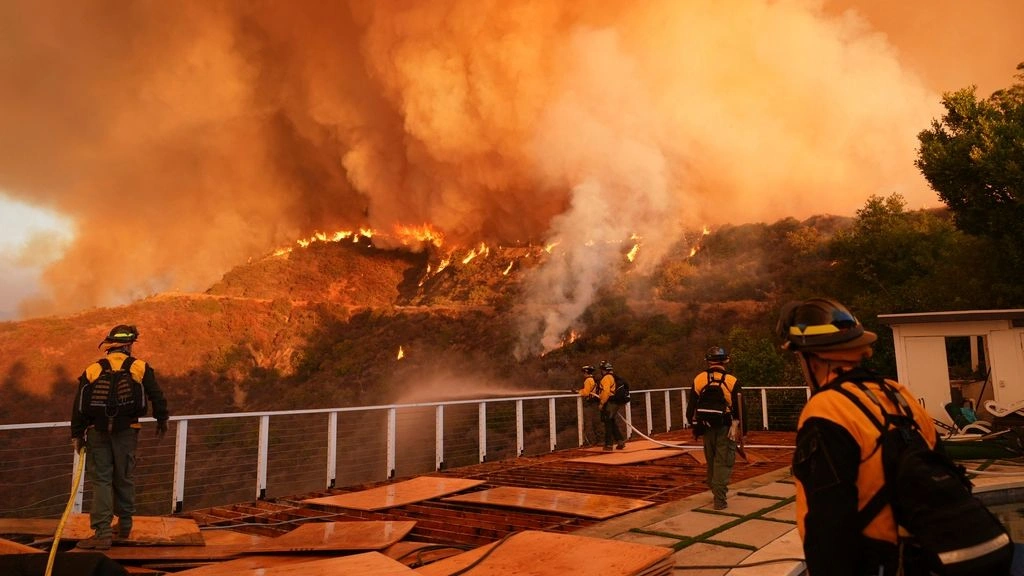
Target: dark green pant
110,468
612,433
720,453
591,415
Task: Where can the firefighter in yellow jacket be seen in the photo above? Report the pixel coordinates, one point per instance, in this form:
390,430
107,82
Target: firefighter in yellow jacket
713,410
591,406
837,465
111,441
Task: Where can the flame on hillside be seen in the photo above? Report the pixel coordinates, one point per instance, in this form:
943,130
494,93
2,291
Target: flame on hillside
696,247
401,353
631,255
419,235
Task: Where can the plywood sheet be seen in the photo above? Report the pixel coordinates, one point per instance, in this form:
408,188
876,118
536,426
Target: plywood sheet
534,553
632,446
149,530
398,493
596,506
12,547
338,536
174,553
244,565
365,564
417,553
621,457
232,538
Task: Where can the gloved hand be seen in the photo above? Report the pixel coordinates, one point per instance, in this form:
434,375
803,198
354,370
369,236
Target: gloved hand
161,429
78,444
734,430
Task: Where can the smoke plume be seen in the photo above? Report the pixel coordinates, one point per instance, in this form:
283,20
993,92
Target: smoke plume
182,138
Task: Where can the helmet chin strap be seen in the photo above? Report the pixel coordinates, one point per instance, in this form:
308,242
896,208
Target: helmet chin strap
810,375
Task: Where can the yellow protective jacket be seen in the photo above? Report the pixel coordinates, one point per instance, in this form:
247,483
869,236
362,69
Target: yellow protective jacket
141,372
700,381
589,390
832,406
607,388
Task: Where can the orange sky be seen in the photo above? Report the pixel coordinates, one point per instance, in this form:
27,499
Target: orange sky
183,138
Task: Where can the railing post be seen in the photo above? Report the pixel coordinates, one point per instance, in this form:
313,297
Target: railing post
579,420
439,437
686,421
77,507
178,487
261,458
332,449
392,442
520,446
764,408
629,420
552,429
668,412
648,413
482,423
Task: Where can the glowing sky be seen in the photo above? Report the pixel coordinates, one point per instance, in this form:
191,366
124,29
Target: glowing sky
180,139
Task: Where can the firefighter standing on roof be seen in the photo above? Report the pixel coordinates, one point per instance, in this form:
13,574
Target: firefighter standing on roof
610,409
591,406
713,410
110,443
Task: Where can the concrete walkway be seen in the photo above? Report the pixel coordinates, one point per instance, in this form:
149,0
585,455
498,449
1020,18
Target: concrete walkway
758,529
758,526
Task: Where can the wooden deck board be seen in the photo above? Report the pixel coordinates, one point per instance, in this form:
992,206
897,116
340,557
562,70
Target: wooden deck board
364,564
536,553
622,457
397,494
595,506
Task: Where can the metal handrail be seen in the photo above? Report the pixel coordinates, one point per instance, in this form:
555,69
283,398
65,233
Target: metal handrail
673,417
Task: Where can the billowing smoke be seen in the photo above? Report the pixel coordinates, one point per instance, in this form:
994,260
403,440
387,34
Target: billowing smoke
182,138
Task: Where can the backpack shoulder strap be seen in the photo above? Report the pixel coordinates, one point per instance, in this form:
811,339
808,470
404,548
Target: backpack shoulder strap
716,380
127,364
104,364
881,498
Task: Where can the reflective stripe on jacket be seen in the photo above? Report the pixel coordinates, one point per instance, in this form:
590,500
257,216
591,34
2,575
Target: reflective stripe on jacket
833,406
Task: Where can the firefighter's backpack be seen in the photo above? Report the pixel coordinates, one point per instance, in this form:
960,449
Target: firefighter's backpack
931,496
621,394
113,394
712,407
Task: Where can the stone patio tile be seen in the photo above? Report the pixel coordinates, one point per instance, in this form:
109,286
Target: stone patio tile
649,539
743,505
690,523
775,489
702,554
754,532
786,546
786,513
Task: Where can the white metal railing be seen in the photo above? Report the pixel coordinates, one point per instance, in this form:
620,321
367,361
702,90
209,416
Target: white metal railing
212,454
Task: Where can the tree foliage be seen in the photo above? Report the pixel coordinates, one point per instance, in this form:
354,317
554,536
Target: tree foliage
974,158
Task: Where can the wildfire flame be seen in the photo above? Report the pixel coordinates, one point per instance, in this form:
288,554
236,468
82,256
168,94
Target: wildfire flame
401,353
631,255
419,234
508,268
704,232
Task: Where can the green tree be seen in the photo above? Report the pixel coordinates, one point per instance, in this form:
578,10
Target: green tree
974,158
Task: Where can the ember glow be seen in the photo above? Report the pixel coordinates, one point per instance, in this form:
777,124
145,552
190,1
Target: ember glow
233,128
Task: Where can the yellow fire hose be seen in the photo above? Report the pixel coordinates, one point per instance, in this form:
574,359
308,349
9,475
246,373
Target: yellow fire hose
67,511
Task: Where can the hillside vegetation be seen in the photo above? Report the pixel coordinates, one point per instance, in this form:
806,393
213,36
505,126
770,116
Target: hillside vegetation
324,325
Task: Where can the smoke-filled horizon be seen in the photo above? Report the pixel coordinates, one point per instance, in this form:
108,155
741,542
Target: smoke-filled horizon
183,138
